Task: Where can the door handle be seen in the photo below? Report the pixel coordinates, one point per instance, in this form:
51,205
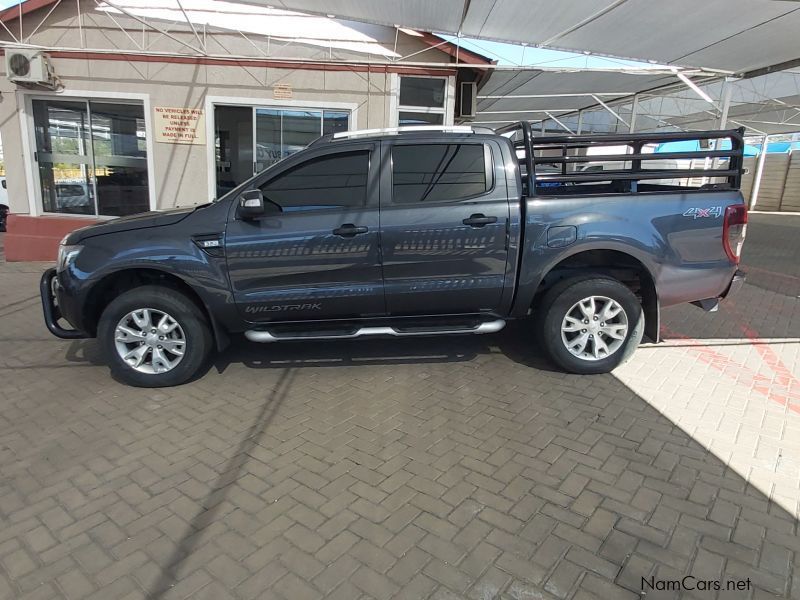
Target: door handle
349,230
479,220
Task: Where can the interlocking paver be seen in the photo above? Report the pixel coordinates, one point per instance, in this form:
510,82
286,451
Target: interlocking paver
441,468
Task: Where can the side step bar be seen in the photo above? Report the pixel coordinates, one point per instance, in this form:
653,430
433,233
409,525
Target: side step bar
260,335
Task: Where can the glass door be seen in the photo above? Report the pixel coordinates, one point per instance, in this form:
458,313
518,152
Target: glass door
64,156
300,128
119,148
268,138
92,157
233,146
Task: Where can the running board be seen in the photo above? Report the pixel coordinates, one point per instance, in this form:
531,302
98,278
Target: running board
260,335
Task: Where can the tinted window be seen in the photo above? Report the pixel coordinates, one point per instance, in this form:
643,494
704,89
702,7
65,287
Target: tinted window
422,91
334,181
438,172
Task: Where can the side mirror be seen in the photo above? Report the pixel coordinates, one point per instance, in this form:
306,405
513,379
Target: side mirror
251,205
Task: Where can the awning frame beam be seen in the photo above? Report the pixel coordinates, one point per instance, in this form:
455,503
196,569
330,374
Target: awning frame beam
609,109
557,120
151,26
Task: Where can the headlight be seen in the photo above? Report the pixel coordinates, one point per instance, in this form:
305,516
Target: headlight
66,254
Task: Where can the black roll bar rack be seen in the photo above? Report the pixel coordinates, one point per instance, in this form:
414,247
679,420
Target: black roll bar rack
636,141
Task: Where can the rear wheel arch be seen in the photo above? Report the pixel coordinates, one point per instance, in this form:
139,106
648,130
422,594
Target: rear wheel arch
616,264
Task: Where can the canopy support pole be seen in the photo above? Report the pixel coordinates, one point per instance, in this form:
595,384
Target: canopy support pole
634,112
762,158
727,92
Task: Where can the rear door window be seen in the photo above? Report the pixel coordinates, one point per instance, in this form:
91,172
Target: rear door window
440,172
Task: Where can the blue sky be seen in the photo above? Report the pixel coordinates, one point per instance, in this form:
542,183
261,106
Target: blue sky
513,54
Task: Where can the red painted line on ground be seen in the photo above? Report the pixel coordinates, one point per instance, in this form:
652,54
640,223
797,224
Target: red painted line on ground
784,376
739,372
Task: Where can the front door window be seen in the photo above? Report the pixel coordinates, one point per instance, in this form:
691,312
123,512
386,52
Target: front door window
92,157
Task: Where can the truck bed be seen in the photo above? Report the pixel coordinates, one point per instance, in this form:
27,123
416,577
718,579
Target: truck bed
587,197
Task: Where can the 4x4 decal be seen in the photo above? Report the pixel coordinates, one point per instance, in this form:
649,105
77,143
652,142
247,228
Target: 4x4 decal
700,213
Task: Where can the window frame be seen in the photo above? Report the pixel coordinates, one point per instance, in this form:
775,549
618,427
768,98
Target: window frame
488,161
424,109
28,146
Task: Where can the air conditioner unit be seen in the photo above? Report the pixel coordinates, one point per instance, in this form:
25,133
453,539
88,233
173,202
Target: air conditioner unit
29,67
468,99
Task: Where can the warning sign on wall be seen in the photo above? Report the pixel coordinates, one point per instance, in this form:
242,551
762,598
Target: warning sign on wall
180,125
282,91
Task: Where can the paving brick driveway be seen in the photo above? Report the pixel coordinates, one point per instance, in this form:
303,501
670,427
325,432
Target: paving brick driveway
450,468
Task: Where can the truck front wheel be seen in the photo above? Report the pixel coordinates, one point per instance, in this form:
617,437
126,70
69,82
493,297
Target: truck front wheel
154,336
590,324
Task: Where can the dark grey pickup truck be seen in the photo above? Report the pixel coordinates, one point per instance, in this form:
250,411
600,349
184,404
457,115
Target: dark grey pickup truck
415,232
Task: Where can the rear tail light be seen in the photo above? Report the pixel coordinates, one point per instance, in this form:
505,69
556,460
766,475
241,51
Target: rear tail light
734,230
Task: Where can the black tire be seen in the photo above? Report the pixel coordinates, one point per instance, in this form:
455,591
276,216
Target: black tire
557,302
198,339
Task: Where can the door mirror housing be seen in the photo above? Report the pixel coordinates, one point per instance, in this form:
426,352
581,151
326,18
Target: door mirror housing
251,205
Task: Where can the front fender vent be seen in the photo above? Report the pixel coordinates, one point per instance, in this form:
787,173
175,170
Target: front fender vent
211,243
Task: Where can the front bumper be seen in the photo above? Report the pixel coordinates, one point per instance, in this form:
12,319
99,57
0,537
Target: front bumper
52,313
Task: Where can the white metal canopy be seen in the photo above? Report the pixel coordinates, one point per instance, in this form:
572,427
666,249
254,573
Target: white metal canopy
605,100
530,94
767,104
728,35
588,99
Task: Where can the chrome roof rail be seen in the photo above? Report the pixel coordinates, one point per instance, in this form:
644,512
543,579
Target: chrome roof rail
404,129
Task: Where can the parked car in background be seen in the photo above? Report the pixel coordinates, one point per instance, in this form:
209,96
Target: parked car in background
409,232
72,197
3,203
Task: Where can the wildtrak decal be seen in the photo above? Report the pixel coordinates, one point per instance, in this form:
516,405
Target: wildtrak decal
283,308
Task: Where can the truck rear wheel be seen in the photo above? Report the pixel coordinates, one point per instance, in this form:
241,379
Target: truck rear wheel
590,324
154,337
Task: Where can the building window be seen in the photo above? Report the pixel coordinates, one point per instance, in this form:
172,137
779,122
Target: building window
249,139
423,101
91,156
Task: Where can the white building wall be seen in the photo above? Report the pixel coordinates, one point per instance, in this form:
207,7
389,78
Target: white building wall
180,172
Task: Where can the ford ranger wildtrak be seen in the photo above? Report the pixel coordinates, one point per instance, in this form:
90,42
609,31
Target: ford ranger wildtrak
416,232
